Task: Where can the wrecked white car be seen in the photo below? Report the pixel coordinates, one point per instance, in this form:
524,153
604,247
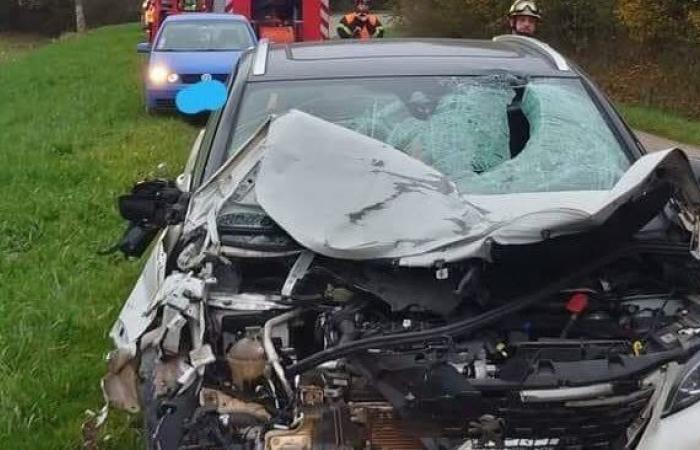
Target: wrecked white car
461,248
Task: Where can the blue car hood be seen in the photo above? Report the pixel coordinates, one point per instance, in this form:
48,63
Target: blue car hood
197,62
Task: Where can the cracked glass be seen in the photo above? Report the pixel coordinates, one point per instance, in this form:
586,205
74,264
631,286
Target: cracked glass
495,134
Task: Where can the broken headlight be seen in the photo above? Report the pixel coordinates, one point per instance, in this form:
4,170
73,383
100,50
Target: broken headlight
687,390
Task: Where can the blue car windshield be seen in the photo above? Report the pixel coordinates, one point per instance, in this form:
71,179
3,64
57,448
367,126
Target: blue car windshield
204,36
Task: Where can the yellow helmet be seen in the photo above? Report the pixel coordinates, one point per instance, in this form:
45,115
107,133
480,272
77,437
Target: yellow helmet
525,8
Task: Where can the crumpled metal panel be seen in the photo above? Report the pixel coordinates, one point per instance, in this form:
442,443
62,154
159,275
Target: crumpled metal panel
120,385
135,317
566,213
346,195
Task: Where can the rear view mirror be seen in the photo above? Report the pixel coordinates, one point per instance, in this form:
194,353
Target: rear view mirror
149,207
151,202
143,47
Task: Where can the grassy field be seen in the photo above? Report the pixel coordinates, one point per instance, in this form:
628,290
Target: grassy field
73,136
13,45
662,123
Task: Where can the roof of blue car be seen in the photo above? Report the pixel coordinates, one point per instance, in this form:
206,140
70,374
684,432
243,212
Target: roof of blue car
204,17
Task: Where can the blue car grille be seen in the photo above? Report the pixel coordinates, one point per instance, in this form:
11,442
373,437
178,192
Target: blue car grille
165,103
197,77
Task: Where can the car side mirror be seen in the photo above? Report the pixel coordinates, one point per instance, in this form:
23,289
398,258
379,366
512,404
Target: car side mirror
183,182
143,47
149,207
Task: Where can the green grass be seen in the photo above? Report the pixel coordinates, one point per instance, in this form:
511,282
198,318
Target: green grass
394,32
13,44
73,136
662,123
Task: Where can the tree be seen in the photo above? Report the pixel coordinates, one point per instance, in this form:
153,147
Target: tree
579,25
660,21
80,24
453,18
50,17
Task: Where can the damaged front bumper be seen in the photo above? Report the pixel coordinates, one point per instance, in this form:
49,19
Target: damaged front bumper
178,331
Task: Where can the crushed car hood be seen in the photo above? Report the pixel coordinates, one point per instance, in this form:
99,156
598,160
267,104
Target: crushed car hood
344,195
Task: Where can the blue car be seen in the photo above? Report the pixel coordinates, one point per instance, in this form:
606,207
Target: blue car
190,48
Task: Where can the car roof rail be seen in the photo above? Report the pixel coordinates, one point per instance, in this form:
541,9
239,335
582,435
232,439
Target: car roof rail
260,61
539,46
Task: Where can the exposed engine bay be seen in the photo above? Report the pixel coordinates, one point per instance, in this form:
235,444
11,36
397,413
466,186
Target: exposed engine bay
305,352
536,325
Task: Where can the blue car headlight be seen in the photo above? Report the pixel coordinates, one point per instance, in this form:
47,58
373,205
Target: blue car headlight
686,390
160,75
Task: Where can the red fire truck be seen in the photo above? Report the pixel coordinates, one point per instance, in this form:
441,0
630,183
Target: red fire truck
277,20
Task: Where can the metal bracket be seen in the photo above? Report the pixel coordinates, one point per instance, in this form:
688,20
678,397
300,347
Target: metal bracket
297,272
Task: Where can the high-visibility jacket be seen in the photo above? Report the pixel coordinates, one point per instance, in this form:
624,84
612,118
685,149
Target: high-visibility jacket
351,26
149,16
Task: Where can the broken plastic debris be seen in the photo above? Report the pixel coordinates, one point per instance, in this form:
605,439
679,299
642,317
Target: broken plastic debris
202,356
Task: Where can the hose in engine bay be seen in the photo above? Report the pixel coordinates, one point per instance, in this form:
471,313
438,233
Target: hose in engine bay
270,350
473,324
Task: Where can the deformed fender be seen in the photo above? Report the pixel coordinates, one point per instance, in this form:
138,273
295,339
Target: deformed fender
135,316
120,385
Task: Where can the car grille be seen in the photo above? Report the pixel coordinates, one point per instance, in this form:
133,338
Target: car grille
165,103
590,425
572,426
197,77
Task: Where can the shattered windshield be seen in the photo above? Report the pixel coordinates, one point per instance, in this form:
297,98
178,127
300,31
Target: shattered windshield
496,134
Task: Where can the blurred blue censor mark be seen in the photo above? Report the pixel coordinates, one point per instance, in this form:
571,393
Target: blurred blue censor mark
201,97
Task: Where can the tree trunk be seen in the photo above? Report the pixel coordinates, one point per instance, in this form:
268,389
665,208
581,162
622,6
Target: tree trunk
79,17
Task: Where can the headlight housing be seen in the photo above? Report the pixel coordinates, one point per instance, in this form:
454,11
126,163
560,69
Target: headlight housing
161,75
686,390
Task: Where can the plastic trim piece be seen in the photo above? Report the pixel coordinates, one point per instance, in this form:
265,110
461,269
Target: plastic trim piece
260,63
558,60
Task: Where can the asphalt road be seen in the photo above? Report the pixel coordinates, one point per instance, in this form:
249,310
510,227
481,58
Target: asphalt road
655,143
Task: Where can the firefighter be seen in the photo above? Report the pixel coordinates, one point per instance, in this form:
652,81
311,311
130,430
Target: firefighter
360,24
148,17
524,17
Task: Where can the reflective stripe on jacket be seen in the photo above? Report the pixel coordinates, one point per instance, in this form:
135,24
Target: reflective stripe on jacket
371,28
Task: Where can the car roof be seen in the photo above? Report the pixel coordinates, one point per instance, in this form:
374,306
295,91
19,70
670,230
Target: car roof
202,17
407,57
